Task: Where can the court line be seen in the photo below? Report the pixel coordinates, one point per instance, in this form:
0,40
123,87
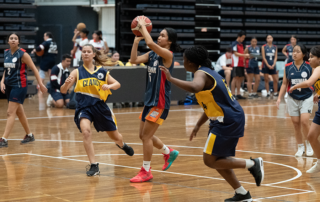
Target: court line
173,110
270,197
190,147
175,173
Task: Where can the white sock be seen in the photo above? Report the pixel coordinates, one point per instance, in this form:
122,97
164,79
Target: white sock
249,164
165,149
301,145
241,191
146,165
94,163
30,134
4,138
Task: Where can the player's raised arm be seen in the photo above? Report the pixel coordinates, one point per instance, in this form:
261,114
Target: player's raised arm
69,81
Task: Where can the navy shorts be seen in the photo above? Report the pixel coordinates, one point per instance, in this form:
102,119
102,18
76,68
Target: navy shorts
253,70
223,137
59,96
316,118
266,70
16,94
154,114
100,114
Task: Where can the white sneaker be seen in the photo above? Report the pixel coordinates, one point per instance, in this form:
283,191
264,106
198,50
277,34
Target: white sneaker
309,149
300,151
49,101
314,169
241,90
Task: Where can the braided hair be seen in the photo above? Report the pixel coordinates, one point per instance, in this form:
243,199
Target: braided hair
199,56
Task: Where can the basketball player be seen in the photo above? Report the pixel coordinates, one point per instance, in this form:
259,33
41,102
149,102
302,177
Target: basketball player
314,131
269,55
14,85
48,59
79,43
253,68
300,101
227,120
97,41
288,49
92,89
157,95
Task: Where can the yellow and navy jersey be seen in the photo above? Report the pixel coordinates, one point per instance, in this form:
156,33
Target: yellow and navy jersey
88,87
317,86
218,103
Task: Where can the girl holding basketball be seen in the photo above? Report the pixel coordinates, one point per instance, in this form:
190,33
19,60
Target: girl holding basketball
300,101
93,84
157,95
314,133
14,85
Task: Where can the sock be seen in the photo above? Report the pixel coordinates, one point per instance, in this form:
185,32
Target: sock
94,163
249,164
301,145
165,149
4,138
30,134
241,191
146,165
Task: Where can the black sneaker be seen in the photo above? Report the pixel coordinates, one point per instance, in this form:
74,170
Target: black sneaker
256,95
275,94
240,97
126,148
27,139
251,96
235,96
240,197
257,170
3,143
93,169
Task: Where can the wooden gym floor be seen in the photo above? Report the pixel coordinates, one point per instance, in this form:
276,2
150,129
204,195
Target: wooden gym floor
53,167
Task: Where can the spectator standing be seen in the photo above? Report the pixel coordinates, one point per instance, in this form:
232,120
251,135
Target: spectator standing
79,43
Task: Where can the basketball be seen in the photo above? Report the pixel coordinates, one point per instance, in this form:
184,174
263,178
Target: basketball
81,26
40,53
135,23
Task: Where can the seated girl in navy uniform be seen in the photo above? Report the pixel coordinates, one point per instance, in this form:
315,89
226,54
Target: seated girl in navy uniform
14,85
93,84
226,116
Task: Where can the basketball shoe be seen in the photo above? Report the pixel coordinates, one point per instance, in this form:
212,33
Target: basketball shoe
257,170
301,150
27,139
127,149
169,158
93,170
3,143
309,149
240,197
314,169
143,176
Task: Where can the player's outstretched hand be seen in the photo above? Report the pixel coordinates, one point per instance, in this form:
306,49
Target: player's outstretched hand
105,87
43,88
142,21
278,103
166,71
315,98
3,88
194,132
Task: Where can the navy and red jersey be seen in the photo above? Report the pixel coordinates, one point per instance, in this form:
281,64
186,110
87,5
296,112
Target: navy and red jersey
49,56
253,62
16,74
289,51
295,76
58,77
237,47
270,53
158,89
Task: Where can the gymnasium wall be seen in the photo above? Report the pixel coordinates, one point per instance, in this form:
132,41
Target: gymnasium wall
61,21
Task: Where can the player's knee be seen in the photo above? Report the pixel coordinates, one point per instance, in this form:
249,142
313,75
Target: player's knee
144,137
305,123
59,104
86,133
10,113
208,161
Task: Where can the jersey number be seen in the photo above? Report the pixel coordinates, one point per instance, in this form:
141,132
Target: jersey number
150,76
270,57
9,71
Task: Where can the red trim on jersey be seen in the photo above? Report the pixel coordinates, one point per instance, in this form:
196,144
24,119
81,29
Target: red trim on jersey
311,87
23,76
7,49
162,98
264,44
288,64
22,49
308,63
289,86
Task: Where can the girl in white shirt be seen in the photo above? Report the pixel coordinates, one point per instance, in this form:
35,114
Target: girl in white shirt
98,42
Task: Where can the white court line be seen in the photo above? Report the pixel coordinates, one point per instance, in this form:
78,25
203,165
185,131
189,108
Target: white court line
183,174
14,154
173,110
282,195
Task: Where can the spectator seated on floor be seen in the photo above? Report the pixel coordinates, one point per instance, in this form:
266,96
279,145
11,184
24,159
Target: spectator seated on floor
115,58
223,65
59,74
